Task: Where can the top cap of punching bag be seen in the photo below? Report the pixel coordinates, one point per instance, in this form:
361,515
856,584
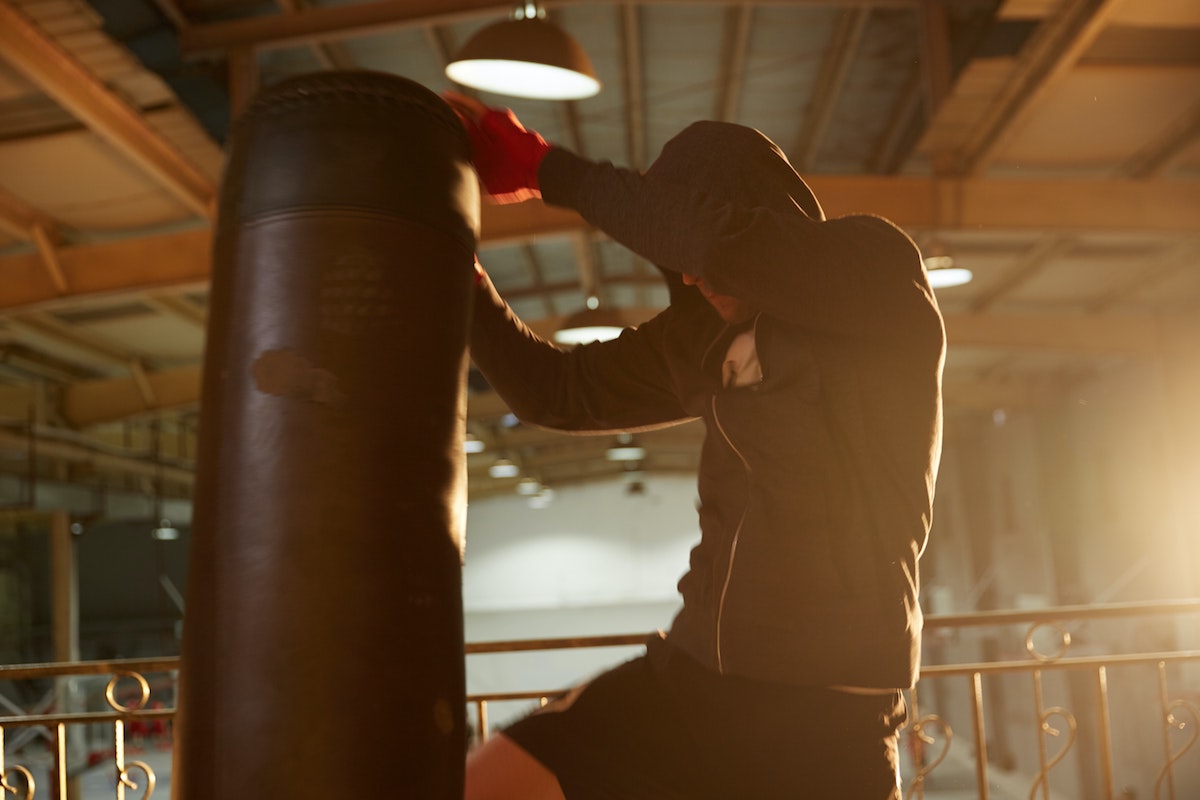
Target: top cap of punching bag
355,139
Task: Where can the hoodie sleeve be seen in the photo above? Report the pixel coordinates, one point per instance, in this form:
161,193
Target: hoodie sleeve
857,276
623,384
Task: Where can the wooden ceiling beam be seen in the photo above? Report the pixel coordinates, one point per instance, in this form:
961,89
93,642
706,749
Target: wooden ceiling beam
327,23
1055,47
183,258
93,402
80,453
331,55
1078,334
1032,263
19,219
75,344
104,400
1157,158
106,113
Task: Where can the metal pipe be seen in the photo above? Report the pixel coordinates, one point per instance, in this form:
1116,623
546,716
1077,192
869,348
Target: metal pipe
981,781
1106,762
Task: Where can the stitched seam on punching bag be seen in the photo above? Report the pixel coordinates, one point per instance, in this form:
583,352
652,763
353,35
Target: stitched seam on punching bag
341,209
329,91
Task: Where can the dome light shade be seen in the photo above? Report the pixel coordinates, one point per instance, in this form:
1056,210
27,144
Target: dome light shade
590,325
504,468
943,274
525,58
941,268
945,277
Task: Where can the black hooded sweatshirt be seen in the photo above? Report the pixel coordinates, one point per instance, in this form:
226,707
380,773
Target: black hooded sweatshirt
815,483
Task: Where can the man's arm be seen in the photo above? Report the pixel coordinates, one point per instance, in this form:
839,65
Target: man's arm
859,276
623,384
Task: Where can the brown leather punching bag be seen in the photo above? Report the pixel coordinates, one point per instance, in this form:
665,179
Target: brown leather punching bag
323,644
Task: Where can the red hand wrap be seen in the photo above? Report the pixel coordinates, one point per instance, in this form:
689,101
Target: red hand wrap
507,156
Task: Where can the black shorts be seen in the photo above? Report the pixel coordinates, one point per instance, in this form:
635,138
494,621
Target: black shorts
663,727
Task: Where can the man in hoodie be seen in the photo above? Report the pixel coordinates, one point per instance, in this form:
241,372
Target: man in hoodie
812,350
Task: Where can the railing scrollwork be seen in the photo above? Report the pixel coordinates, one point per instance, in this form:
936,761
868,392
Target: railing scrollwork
1173,712
6,786
1064,642
919,728
127,695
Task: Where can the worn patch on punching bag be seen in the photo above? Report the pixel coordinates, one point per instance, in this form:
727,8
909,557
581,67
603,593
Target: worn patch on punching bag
286,373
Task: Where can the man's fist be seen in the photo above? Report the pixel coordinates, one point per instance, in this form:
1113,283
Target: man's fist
506,155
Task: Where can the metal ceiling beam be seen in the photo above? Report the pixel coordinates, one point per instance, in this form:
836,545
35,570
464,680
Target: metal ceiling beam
732,64
176,306
1055,47
344,21
83,347
537,278
835,65
633,80
888,158
79,453
76,88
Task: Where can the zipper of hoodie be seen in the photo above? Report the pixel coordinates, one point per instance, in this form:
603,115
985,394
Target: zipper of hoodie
736,533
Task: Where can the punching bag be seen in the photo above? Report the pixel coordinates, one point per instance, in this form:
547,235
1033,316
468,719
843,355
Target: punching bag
323,644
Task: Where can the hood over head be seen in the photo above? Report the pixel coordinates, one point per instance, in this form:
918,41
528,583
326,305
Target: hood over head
737,163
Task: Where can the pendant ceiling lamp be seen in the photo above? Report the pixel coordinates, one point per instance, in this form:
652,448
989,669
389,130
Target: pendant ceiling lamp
941,268
591,324
525,56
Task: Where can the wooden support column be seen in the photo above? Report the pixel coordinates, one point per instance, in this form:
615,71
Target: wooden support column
243,79
64,610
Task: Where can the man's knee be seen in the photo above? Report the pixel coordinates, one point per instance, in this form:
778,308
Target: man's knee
500,769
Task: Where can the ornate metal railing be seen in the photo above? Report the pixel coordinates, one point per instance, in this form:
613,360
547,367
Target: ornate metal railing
129,705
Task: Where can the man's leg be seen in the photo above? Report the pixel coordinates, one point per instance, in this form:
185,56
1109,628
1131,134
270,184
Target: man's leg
500,769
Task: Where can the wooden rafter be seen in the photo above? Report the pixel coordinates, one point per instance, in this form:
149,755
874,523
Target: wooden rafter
633,81
76,88
182,259
834,67
1157,158
327,23
1029,265
107,400
1057,45
732,64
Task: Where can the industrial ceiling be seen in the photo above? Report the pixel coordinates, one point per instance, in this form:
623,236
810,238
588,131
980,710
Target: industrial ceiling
1051,146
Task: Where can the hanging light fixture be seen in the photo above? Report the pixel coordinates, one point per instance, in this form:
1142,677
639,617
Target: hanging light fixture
625,450
592,324
503,468
525,56
942,271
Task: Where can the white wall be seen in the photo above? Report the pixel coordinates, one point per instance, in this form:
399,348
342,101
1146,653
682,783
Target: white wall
596,561
1085,500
